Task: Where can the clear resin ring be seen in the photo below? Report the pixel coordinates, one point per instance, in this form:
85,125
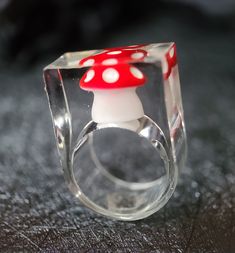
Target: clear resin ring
119,126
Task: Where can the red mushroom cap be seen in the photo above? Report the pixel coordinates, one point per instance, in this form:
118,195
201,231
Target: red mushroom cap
112,77
114,56
171,60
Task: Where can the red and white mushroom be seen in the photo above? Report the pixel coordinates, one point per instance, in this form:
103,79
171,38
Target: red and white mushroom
114,81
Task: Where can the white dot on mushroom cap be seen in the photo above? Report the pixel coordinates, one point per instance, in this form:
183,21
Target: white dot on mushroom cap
114,52
136,73
90,74
110,75
171,53
89,62
137,55
110,62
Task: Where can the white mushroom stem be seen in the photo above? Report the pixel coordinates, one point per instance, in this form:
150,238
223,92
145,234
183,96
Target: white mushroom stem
120,107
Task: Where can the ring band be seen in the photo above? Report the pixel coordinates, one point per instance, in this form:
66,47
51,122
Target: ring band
147,129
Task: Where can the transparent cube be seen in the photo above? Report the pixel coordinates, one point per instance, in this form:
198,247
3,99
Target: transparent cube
119,126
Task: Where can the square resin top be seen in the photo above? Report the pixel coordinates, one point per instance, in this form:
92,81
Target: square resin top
120,70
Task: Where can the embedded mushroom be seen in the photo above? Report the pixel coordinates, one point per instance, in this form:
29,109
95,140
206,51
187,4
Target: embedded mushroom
115,98
113,80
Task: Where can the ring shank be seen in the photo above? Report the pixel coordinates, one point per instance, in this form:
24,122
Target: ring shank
143,198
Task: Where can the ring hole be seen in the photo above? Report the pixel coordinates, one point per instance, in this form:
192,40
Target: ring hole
119,171
127,156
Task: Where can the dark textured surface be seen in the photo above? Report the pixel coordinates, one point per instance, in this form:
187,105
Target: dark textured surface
37,211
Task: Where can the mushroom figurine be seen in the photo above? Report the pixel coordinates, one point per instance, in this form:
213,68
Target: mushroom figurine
114,82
